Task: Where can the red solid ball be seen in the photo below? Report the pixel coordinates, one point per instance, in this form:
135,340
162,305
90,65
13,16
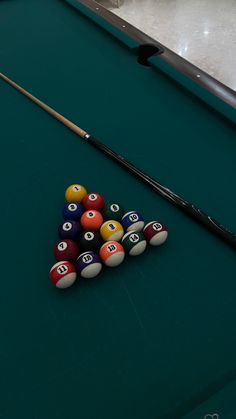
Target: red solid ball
93,201
66,250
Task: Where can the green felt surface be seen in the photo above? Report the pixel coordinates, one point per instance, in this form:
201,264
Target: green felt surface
150,338
221,405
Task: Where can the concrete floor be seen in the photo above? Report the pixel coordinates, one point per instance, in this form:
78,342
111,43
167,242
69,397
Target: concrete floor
203,31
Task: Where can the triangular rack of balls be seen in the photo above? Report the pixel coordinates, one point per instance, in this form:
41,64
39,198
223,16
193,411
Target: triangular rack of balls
95,233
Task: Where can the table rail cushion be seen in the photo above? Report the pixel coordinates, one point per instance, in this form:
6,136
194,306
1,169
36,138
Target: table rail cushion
214,93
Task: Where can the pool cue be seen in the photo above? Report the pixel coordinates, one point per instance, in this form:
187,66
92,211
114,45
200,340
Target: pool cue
188,208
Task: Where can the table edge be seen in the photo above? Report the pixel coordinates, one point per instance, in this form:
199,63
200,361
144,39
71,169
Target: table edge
169,57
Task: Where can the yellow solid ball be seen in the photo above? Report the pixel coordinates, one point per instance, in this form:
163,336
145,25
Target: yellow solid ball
75,193
111,230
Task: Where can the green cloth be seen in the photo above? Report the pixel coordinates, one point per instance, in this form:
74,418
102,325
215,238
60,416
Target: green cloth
222,404
142,340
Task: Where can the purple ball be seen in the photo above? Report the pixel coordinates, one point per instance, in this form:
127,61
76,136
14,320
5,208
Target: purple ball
69,230
88,265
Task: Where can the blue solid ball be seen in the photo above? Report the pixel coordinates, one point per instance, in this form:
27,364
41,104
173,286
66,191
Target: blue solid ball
88,265
132,221
70,229
72,211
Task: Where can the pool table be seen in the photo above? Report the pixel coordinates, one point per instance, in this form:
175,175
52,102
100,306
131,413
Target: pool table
155,337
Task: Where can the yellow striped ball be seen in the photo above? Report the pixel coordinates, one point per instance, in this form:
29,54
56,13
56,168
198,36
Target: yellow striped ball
111,230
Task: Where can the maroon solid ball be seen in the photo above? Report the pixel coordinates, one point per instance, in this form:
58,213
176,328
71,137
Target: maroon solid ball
93,201
155,233
66,250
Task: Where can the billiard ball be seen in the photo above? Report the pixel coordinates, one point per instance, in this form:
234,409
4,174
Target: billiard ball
63,274
66,250
132,221
91,220
90,240
75,193
93,201
134,243
69,230
111,230
112,212
112,253
155,233
88,265
72,211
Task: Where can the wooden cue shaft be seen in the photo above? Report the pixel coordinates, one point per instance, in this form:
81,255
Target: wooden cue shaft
79,131
187,207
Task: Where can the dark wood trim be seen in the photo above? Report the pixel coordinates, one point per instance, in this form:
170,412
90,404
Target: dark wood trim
203,79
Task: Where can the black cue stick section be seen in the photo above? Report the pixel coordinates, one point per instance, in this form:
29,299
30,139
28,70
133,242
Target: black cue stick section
188,208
